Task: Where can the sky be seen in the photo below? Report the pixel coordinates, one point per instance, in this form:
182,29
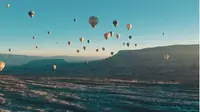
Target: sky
178,19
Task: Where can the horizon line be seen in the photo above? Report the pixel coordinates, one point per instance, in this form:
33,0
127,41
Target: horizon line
95,56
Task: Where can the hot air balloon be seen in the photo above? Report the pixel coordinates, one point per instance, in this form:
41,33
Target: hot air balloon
54,67
129,26
69,43
107,35
97,50
93,20
9,50
163,33
130,37
75,19
111,53
88,41
2,65
84,47
7,5
128,44
31,13
166,56
81,39
49,32
124,43
77,51
33,37
56,42
111,33
135,45
86,62
115,23
103,49
117,36
36,47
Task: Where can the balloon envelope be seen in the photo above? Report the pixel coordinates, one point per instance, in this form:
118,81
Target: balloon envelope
129,26
54,67
81,39
31,13
7,5
117,36
93,20
69,43
2,65
115,23
107,35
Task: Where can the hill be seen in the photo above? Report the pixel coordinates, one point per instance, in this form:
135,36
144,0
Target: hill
16,60
145,64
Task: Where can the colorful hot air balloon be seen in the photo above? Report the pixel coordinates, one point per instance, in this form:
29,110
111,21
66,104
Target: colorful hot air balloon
111,53
107,35
117,36
81,39
7,5
84,47
129,26
130,37
88,41
97,50
69,43
31,13
77,51
115,23
2,65
93,20
54,67
128,44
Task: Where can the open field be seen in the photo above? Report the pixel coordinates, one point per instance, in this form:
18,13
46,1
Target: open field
59,94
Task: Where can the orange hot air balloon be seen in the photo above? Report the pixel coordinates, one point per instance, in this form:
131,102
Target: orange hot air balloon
2,65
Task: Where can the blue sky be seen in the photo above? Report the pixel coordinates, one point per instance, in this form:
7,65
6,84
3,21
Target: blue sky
178,19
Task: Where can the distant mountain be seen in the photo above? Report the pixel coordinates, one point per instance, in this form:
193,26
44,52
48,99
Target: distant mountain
16,60
145,64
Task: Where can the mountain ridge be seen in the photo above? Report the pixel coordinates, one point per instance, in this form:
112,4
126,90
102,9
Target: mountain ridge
145,64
